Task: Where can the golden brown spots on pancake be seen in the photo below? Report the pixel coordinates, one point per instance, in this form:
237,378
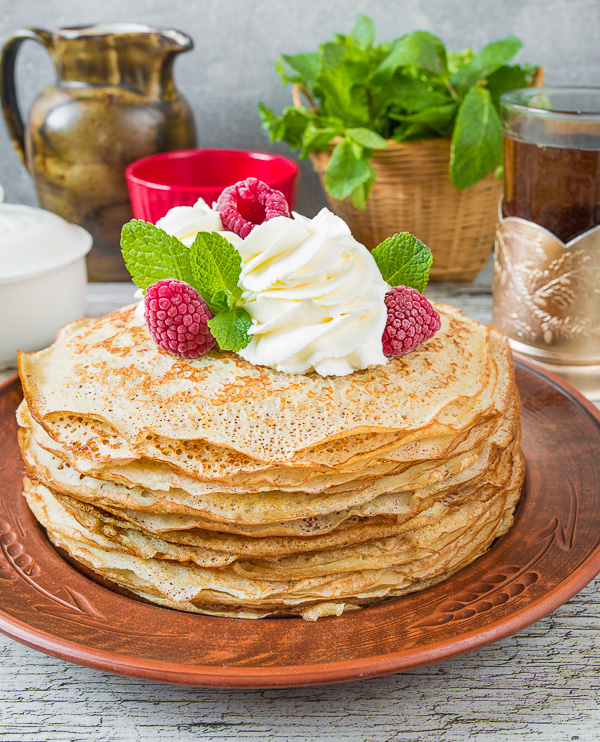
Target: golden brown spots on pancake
263,414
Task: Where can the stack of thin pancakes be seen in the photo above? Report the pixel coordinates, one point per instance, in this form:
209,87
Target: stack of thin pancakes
219,487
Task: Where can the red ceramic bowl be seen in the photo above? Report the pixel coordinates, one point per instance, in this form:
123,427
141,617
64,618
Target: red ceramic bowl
180,178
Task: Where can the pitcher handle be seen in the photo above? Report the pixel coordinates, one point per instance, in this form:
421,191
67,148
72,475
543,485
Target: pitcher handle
8,93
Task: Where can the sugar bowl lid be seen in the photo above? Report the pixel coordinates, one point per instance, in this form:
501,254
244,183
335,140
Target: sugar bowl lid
34,241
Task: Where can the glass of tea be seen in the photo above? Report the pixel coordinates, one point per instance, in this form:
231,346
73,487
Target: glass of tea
552,158
546,289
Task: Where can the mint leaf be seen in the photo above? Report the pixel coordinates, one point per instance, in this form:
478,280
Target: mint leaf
405,94
289,126
266,115
217,266
343,83
403,259
363,33
486,61
151,254
366,138
418,49
413,95
477,139
438,118
359,195
306,65
346,172
230,329
332,54
508,77
456,60
317,139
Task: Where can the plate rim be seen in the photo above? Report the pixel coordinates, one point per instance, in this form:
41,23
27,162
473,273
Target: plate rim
250,676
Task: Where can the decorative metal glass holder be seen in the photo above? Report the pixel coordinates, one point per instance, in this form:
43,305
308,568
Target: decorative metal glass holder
547,298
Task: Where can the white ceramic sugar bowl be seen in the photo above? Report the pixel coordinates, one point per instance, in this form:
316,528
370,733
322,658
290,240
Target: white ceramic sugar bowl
42,278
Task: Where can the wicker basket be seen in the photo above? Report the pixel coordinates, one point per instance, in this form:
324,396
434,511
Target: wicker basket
413,193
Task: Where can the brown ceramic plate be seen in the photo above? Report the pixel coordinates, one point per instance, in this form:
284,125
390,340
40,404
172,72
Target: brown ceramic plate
551,552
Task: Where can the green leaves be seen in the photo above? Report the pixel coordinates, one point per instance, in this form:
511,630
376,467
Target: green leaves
439,119
509,77
151,254
216,265
368,93
409,95
363,33
211,265
420,50
289,127
486,61
349,174
477,139
366,138
341,83
230,328
306,66
316,138
403,259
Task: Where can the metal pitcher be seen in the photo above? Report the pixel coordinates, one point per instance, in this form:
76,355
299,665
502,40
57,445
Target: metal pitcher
114,102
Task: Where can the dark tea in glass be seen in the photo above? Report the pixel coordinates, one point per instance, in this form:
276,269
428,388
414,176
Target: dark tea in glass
552,158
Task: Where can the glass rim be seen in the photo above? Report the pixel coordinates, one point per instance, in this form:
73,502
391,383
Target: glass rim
507,101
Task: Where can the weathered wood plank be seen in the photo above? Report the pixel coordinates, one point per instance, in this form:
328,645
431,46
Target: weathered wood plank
540,684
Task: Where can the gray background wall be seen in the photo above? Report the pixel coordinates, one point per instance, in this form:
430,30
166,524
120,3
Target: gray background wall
237,41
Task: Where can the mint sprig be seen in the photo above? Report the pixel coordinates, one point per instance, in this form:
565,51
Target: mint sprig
403,259
230,328
477,139
217,266
347,171
211,265
151,254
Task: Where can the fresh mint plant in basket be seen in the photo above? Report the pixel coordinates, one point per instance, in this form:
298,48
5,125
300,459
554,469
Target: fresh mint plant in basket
405,136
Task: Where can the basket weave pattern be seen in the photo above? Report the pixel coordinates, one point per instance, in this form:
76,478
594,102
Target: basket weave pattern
413,193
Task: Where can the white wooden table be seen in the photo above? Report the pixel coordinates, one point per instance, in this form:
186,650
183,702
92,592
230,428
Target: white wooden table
540,684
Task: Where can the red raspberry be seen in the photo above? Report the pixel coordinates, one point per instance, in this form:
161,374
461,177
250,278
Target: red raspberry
411,320
177,318
248,203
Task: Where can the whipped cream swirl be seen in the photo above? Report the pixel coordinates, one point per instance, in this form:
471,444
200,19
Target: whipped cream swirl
315,294
184,222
